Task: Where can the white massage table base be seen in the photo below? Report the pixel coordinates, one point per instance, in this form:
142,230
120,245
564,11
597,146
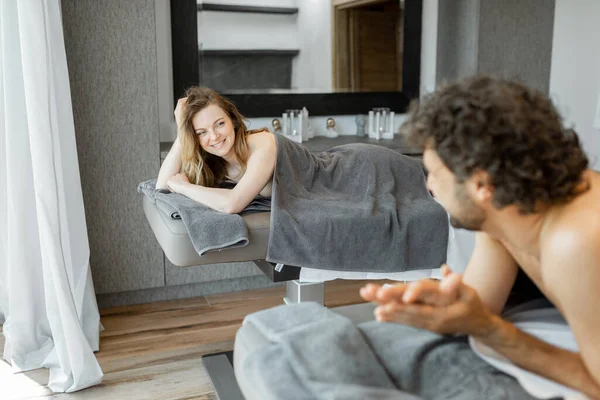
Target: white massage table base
297,292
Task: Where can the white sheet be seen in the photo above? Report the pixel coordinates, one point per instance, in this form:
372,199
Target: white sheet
323,275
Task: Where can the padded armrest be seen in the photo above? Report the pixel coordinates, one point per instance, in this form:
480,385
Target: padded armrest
177,246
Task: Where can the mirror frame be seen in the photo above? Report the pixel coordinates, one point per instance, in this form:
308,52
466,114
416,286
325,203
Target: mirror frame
184,41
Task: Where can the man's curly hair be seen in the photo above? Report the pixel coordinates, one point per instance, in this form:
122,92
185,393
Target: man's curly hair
512,132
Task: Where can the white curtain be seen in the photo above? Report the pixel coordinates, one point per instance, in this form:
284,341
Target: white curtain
47,299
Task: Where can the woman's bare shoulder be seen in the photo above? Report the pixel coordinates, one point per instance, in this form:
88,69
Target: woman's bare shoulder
262,139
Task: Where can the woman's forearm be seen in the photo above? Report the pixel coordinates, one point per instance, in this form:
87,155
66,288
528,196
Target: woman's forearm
216,198
170,166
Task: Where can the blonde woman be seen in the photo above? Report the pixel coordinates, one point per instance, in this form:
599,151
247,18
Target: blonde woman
213,145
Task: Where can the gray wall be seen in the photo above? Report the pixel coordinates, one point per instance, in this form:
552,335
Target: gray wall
111,54
508,38
457,39
115,76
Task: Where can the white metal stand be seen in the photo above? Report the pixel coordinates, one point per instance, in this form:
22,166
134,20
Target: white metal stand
297,292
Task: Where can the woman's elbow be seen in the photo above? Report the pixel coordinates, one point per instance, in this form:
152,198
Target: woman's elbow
232,208
234,203
160,184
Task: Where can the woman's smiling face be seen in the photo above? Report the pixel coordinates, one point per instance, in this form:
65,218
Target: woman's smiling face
215,130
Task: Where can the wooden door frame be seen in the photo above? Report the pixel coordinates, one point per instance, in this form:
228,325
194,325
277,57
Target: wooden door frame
340,42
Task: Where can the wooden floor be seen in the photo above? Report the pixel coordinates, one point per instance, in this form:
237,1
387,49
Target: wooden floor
153,351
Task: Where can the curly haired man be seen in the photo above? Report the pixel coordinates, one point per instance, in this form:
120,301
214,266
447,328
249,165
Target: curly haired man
502,163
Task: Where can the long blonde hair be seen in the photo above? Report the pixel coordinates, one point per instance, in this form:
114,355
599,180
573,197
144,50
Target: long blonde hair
201,167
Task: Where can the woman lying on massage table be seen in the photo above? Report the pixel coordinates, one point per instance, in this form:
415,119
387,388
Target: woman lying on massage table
213,145
321,204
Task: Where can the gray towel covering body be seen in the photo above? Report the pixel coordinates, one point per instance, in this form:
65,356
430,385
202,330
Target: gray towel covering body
311,352
354,207
208,229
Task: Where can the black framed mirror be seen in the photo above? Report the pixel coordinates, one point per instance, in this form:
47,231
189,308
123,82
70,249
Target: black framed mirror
370,58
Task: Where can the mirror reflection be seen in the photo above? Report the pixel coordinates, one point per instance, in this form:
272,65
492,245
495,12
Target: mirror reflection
300,46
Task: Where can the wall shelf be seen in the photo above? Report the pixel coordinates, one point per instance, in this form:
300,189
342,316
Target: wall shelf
249,52
226,70
247,9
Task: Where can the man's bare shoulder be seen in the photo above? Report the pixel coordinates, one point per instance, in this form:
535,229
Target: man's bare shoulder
570,263
575,232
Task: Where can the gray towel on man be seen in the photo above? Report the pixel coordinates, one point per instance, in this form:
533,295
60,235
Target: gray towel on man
208,229
312,353
354,207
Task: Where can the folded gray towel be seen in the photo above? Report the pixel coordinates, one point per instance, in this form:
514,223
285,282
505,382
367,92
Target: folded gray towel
208,229
354,207
314,353
168,209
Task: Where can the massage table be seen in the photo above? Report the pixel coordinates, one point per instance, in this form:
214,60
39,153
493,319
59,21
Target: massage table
173,238
302,284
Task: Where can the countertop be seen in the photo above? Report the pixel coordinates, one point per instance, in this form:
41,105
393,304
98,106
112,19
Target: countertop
321,143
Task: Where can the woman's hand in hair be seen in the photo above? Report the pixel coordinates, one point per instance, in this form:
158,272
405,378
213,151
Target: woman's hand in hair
179,110
177,182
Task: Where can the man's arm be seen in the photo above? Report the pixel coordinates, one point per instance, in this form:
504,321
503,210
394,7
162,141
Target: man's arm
453,307
570,266
491,271
571,273
528,352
